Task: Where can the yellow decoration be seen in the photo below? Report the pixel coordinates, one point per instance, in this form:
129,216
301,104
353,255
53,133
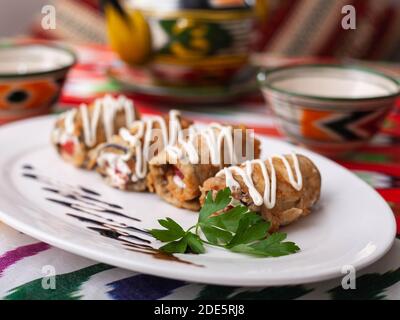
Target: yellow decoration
261,9
199,45
129,36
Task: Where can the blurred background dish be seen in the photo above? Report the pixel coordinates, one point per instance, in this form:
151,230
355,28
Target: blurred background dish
330,108
31,78
141,82
185,42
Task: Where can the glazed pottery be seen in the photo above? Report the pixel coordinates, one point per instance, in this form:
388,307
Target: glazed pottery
184,42
329,108
31,78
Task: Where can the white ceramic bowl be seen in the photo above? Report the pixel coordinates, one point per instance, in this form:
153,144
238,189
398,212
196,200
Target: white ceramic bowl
329,108
31,78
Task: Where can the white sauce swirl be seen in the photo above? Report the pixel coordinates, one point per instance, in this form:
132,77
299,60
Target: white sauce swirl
246,170
214,135
144,129
104,109
174,143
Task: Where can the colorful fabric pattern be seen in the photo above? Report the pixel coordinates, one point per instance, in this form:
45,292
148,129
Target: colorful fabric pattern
293,27
24,261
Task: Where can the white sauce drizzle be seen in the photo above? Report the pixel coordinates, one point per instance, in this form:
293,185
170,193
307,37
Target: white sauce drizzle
105,109
144,129
174,142
214,135
69,121
246,170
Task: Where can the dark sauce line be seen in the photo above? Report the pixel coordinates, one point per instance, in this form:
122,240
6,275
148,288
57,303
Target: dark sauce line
78,207
115,234
91,213
105,230
30,175
89,191
112,205
68,196
77,196
131,246
116,223
88,196
104,225
81,210
137,230
116,213
140,248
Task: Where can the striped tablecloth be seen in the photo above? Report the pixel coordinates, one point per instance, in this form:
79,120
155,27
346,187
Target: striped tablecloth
23,260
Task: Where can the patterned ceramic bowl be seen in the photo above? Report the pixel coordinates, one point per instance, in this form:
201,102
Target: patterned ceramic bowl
31,78
329,108
184,42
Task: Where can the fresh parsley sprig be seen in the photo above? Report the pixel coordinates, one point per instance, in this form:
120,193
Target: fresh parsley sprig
238,229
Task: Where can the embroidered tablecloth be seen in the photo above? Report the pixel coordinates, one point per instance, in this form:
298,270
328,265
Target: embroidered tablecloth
23,260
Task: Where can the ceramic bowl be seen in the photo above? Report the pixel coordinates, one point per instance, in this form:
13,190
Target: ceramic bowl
330,108
184,43
31,78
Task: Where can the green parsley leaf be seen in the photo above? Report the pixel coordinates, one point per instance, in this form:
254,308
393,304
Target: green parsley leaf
249,230
175,246
229,220
237,229
172,225
211,206
270,247
195,243
172,232
164,235
215,235
274,247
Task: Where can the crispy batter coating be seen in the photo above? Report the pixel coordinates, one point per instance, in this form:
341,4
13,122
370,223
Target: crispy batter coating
290,203
117,172
163,181
178,181
72,147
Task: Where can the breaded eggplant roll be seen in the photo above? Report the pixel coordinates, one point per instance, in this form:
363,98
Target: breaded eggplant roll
177,173
123,162
78,132
282,188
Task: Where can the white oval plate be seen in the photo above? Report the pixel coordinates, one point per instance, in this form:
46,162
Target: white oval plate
352,224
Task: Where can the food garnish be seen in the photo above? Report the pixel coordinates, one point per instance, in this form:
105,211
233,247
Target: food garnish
223,224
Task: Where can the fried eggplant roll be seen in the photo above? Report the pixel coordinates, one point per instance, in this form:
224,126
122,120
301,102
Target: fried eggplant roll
282,188
78,132
177,173
123,162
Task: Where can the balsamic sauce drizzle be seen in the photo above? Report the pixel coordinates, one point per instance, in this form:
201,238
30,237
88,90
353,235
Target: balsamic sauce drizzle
110,226
79,207
87,202
86,190
74,197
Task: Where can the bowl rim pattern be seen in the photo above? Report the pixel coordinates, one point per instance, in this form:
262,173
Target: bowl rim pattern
40,73
263,74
